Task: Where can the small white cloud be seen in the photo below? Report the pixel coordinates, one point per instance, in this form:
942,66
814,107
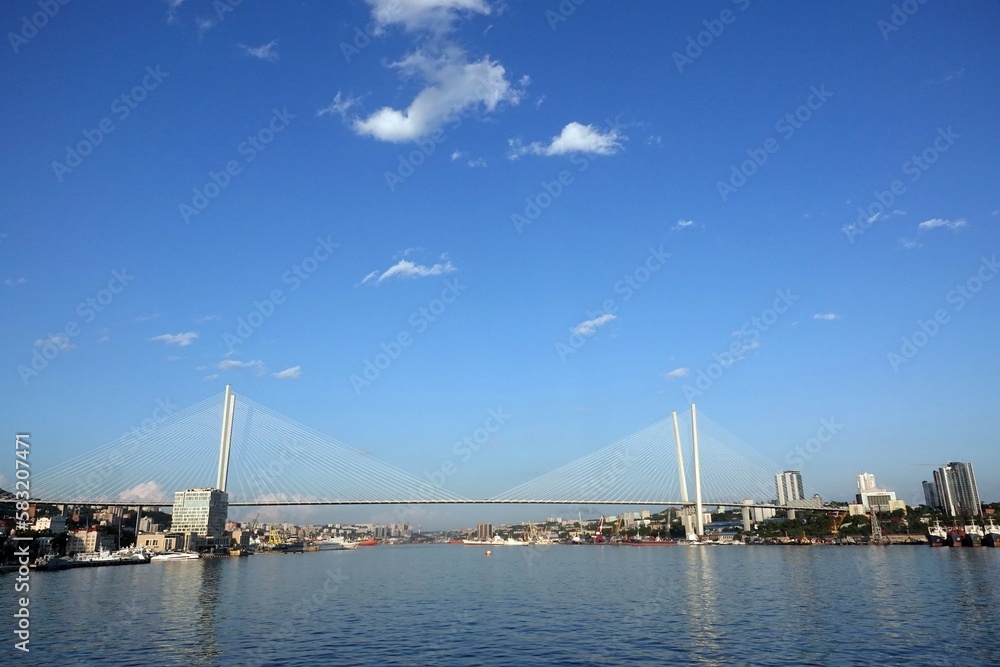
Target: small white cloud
678,373
432,15
589,327
231,364
213,376
457,155
172,7
208,318
204,25
910,244
147,491
404,268
146,318
454,86
340,106
683,224
935,223
181,339
477,163
267,51
827,317
59,340
11,282
574,138
292,373
654,140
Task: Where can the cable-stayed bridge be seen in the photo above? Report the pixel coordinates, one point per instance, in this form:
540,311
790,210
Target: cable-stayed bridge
266,459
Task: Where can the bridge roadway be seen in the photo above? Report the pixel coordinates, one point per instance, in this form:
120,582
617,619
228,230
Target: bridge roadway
457,501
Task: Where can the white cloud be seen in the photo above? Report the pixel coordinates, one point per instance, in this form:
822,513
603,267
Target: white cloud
574,138
204,25
146,491
433,15
213,376
231,364
11,282
910,244
59,340
340,105
404,268
934,223
181,339
828,317
456,155
683,224
267,51
477,162
292,373
588,327
208,318
454,86
146,318
678,373
172,7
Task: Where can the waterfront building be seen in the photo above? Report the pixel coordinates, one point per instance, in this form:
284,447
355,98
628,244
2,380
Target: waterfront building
57,524
789,486
931,498
958,494
160,542
484,531
88,540
866,482
201,514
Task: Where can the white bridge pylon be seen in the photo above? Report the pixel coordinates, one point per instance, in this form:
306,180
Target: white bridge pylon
266,459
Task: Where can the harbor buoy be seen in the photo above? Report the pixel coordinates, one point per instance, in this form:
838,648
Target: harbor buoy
489,553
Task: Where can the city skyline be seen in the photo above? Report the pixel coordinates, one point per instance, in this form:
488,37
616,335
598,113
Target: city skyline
406,226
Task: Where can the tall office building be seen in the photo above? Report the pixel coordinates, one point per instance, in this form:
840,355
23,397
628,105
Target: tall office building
200,512
866,482
957,492
931,495
789,486
484,531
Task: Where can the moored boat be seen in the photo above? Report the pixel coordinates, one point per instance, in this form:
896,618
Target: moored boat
367,543
176,555
991,535
936,535
973,536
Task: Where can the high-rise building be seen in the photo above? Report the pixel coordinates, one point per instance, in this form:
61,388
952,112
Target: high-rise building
200,512
866,482
789,486
957,492
484,531
931,498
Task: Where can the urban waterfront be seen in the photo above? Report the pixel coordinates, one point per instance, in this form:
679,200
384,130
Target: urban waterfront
555,605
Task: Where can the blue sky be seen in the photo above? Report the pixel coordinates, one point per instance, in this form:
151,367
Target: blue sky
594,209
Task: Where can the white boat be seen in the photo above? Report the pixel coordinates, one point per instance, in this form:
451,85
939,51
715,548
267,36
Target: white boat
176,555
336,544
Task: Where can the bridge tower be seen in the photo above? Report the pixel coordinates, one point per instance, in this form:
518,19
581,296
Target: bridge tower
228,408
699,511
686,510
692,516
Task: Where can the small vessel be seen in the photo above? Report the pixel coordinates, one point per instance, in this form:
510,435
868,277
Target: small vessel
954,538
649,543
973,536
367,543
176,555
991,535
936,535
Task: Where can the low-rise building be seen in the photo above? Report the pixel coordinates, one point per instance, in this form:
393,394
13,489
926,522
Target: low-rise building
88,540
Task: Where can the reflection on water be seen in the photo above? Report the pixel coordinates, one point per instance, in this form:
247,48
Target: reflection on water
561,605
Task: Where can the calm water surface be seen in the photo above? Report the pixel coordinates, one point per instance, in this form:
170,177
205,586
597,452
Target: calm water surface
558,605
